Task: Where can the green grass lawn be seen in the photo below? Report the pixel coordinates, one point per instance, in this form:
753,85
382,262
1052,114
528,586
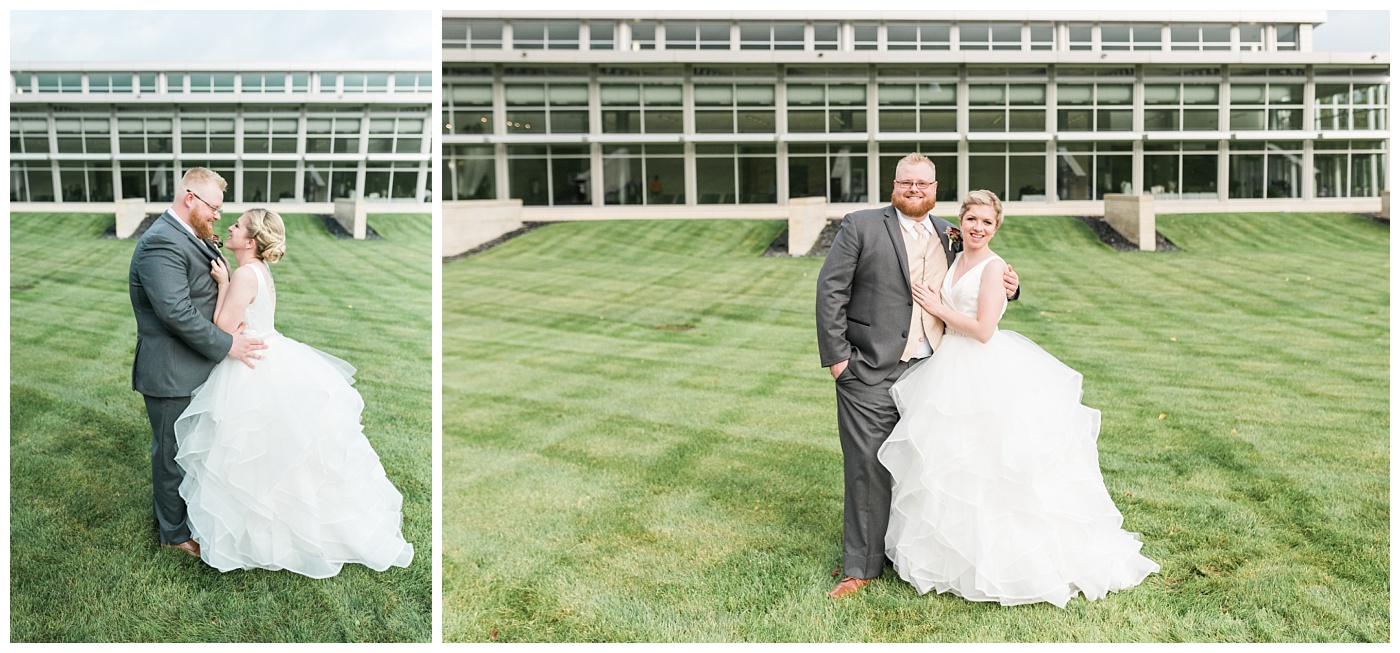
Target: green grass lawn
639,444
85,564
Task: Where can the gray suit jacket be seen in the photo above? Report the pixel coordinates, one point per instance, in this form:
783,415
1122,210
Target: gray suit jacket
173,297
864,300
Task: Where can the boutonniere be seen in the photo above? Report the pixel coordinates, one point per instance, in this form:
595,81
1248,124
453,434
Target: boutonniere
218,242
954,239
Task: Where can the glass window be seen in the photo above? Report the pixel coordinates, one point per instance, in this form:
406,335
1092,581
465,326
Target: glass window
391,180
837,171
214,135
1351,106
366,82
1006,107
1181,170
327,181
926,107
264,82
556,108
867,36
109,82
541,35
270,135
644,35
1095,107
1181,107
472,34
1042,36
1088,171
641,108
1081,36
643,174
60,82
86,181
330,134
1014,171
269,181
29,134
1349,168
413,82
471,172
31,181
79,135
830,108
826,35
211,82
734,108
600,36
691,35
1252,38
145,135
1275,106
1260,169
773,36
736,174
467,109
549,175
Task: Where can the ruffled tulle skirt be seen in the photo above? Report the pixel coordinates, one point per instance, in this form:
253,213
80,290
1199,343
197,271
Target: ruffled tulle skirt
278,473
997,490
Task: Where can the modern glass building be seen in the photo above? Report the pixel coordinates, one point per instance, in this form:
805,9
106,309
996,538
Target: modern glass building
298,133
695,112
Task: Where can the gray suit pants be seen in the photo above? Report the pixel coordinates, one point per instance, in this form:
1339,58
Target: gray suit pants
169,508
865,415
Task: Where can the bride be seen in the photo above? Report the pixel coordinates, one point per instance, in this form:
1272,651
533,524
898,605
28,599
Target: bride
997,491
278,473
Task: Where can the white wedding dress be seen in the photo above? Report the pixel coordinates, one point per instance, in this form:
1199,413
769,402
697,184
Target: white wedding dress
997,491
278,473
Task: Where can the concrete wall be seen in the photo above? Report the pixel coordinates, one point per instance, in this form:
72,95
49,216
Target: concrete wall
806,220
1134,217
353,218
130,214
469,223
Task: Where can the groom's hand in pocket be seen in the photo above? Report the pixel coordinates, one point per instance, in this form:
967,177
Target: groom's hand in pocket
838,368
245,349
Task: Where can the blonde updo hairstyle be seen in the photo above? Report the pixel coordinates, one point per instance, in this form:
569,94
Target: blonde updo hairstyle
266,230
981,198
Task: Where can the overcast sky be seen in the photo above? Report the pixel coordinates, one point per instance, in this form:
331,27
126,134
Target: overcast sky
1353,31
311,36
359,35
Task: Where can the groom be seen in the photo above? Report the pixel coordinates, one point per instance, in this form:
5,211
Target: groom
177,343
869,332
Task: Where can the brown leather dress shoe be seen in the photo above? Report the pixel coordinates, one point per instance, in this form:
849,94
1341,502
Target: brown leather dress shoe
847,587
188,546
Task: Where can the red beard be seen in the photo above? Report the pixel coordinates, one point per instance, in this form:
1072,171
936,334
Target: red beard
913,207
202,229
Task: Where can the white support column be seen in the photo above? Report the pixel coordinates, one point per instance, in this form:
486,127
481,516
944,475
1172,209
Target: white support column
595,149
498,129
780,128
872,123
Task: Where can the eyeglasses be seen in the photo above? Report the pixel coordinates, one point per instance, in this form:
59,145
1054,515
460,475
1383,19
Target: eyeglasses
216,210
921,185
